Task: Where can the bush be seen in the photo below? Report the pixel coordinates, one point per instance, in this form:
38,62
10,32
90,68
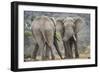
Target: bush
28,33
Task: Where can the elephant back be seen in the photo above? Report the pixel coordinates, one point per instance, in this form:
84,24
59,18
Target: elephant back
43,23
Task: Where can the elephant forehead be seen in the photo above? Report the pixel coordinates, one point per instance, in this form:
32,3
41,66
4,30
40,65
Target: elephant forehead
68,24
69,19
59,26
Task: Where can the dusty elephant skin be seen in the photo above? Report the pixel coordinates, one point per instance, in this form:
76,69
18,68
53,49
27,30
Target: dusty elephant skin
43,30
69,27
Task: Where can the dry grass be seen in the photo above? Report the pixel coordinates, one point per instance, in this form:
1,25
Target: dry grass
85,53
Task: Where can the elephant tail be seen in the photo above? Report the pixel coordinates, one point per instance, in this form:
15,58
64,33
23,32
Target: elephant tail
43,36
45,40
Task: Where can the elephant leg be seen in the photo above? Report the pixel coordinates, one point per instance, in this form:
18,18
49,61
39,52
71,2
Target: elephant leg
40,44
76,47
69,53
51,50
71,47
68,50
66,46
41,49
52,55
57,48
34,53
65,49
76,50
47,51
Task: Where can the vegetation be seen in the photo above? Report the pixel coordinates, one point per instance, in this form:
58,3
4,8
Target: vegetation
27,34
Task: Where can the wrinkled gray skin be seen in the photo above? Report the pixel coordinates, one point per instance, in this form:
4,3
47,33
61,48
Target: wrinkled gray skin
69,27
43,30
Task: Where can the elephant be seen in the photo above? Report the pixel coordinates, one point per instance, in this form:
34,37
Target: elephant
43,30
68,28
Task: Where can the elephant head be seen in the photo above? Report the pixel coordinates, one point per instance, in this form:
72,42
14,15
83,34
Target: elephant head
69,26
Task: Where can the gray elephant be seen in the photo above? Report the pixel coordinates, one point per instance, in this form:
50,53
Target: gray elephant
68,28
43,30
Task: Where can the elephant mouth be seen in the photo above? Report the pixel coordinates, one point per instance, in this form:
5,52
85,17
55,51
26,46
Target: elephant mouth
66,39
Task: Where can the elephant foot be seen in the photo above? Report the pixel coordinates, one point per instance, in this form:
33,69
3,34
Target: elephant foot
52,58
68,57
77,56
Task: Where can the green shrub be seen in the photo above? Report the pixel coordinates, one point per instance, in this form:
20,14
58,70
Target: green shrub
28,33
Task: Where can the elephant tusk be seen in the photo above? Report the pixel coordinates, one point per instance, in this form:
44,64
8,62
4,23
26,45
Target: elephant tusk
74,37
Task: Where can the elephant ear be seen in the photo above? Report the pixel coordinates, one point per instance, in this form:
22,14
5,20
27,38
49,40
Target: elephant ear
60,25
79,24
